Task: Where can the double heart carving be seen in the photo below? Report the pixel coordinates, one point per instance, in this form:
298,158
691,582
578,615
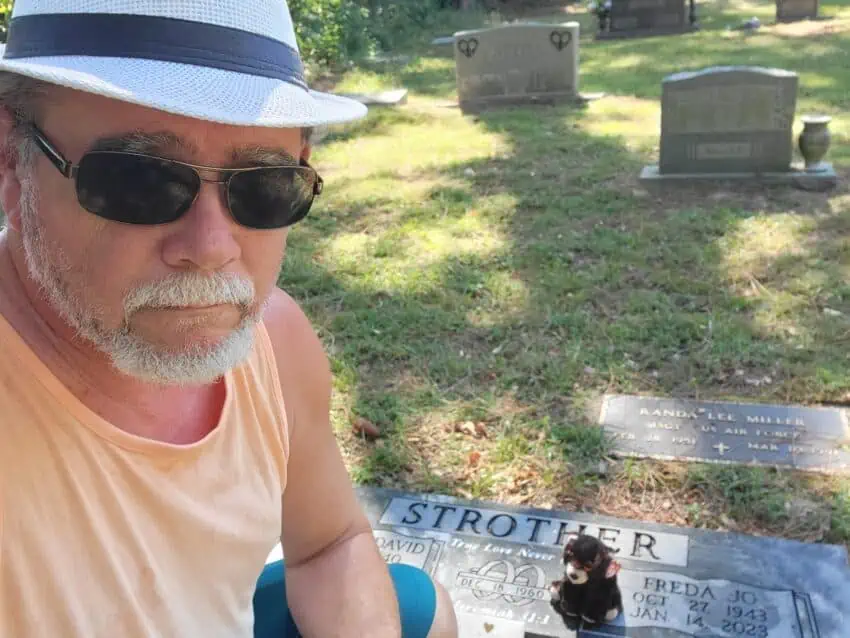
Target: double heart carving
467,46
560,39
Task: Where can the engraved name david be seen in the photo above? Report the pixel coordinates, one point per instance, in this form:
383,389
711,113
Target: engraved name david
456,518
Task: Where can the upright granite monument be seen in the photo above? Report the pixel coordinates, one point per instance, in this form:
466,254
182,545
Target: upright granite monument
641,18
731,123
516,64
793,10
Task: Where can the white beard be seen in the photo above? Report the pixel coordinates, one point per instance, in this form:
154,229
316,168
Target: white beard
130,353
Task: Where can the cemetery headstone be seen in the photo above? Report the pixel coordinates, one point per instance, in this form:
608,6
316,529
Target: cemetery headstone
730,123
642,18
497,563
804,438
516,64
793,10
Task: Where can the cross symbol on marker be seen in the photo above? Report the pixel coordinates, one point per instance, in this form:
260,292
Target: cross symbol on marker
721,447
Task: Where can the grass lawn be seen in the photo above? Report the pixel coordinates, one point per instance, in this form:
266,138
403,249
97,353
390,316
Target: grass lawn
478,280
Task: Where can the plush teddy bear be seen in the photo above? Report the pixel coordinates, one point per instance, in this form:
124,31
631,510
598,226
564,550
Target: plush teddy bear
589,589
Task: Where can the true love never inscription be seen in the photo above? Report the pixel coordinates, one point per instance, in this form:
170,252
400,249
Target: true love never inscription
497,563
814,439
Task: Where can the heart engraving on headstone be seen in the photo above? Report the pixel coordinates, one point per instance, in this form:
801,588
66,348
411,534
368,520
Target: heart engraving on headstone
468,47
561,39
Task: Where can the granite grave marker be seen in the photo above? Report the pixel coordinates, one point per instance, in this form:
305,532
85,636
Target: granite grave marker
805,438
516,64
497,563
729,123
640,18
793,10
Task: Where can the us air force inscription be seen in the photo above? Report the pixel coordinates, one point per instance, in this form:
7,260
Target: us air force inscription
815,439
498,562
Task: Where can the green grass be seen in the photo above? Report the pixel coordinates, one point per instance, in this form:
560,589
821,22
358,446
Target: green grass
506,269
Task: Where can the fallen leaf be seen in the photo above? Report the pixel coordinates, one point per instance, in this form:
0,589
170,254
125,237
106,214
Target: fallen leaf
481,430
488,627
474,457
365,427
467,427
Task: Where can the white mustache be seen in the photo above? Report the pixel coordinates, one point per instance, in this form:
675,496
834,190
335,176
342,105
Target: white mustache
192,289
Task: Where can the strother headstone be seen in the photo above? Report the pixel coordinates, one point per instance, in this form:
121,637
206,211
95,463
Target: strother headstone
729,123
497,562
517,63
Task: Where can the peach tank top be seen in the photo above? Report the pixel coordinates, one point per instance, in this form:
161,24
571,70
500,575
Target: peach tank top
107,534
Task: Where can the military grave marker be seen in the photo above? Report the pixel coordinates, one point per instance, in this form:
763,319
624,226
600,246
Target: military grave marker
804,438
516,64
497,563
730,123
641,18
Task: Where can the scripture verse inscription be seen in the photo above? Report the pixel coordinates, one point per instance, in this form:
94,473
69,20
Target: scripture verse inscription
807,438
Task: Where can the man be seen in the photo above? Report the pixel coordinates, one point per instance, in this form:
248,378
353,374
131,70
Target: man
164,408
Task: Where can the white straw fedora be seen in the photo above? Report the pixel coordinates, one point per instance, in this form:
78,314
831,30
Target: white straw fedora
230,61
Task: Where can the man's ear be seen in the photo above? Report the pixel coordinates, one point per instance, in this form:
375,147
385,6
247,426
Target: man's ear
10,185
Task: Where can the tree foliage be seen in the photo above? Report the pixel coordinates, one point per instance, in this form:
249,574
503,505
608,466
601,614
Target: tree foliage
333,31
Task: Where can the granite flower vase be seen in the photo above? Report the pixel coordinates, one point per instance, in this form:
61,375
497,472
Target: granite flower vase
814,141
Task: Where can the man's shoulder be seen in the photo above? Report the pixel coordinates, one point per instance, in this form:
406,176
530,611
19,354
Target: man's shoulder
302,364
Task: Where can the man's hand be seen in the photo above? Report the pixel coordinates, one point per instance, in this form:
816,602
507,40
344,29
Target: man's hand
337,583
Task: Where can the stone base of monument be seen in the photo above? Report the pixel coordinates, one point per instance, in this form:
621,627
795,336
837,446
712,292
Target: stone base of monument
645,33
549,99
394,97
821,180
497,563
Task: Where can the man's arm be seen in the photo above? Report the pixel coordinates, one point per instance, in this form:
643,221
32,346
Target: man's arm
337,584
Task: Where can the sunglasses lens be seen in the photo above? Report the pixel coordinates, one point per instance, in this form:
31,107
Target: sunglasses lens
135,189
271,197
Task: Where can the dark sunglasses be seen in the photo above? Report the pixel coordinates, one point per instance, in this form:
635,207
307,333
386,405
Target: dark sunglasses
135,188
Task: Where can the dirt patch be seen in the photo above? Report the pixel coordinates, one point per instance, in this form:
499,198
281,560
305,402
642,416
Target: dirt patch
809,28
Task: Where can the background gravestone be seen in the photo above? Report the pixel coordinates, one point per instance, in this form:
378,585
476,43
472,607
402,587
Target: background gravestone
806,438
636,18
516,64
728,120
731,123
792,10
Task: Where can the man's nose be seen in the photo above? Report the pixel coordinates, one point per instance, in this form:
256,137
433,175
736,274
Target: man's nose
204,238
